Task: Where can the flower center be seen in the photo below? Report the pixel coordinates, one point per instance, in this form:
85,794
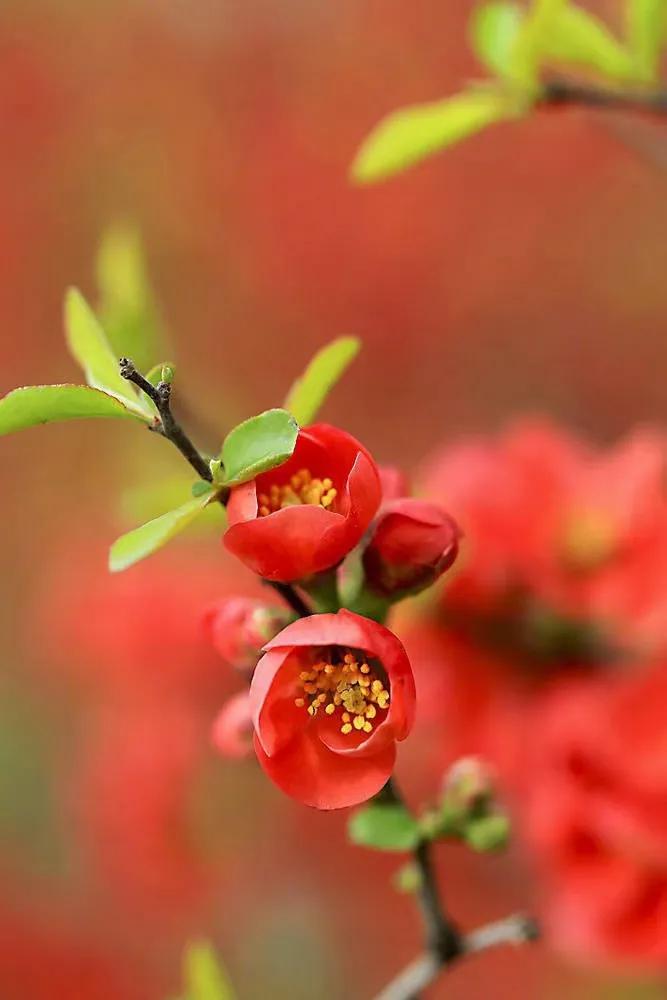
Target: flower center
348,687
302,488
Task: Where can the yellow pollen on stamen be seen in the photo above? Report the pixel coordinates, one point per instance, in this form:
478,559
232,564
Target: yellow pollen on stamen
348,687
302,488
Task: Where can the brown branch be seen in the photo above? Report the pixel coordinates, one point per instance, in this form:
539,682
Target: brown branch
426,968
167,425
558,91
445,944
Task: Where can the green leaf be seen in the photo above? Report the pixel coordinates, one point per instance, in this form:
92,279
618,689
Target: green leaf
257,445
647,23
205,978
386,827
494,30
528,48
327,367
143,541
577,37
164,372
413,133
200,488
44,404
127,307
89,346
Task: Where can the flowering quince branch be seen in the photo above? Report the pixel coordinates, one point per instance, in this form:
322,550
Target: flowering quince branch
331,689
445,944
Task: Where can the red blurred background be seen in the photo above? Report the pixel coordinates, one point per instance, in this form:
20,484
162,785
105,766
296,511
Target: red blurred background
520,272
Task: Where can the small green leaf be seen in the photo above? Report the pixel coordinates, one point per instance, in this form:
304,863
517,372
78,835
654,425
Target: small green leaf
327,367
257,445
578,38
127,307
164,372
200,488
89,346
44,404
386,827
647,23
143,541
413,133
489,833
205,978
494,28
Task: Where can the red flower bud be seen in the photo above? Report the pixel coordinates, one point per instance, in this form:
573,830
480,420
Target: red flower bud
306,515
329,700
394,483
232,729
411,545
239,627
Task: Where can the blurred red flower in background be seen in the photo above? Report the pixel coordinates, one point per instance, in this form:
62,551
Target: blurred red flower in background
538,655
306,515
326,721
594,796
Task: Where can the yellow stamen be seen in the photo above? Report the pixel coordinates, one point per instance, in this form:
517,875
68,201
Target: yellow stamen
302,488
349,687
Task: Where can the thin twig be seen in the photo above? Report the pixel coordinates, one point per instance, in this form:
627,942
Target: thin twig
291,597
445,943
558,91
425,969
167,425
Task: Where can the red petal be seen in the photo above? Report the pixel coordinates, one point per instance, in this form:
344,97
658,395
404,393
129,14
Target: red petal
284,546
276,718
309,772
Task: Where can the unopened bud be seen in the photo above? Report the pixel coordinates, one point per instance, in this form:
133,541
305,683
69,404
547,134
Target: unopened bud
232,729
490,833
240,626
468,787
411,544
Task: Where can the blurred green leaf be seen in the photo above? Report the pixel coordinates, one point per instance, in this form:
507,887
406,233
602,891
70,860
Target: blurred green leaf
577,37
385,827
205,978
127,307
647,23
529,44
327,367
257,445
143,541
200,488
413,133
44,404
494,30
90,348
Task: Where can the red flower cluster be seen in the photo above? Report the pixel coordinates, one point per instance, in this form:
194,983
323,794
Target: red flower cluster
539,655
334,692
330,698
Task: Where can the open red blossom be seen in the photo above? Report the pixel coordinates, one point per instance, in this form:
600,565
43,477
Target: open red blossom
412,543
306,515
329,700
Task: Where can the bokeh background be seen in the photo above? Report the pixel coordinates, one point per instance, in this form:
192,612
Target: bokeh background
519,273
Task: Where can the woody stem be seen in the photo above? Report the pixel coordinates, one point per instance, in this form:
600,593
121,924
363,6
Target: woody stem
445,944
166,425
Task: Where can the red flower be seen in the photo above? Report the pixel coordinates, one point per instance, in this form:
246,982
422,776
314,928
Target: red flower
411,545
329,699
596,813
239,626
232,729
306,515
